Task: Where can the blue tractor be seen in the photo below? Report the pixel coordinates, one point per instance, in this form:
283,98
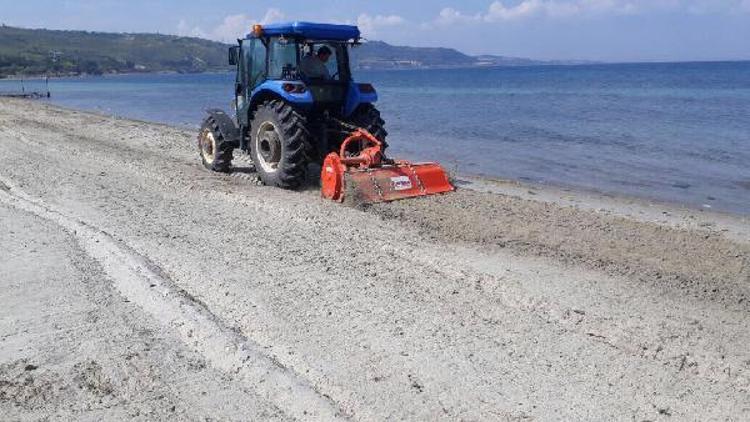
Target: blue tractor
294,102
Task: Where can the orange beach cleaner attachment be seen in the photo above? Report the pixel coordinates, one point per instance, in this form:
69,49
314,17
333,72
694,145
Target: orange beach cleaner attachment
369,177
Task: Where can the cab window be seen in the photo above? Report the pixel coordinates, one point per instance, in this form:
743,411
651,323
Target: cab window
334,63
283,59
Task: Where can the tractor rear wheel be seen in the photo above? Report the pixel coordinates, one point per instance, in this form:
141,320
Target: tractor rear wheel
368,117
215,149
279,140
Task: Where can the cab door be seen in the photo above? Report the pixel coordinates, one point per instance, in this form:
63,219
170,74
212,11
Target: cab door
252,72
256,63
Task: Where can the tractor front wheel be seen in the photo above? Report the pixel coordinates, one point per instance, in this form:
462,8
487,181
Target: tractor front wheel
215,149
279,140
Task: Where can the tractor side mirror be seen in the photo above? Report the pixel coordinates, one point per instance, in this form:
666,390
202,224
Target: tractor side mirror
234,54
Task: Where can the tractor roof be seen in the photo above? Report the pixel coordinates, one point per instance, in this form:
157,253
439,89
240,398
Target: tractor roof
312,31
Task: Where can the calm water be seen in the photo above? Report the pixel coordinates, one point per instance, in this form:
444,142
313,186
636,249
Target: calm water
674,132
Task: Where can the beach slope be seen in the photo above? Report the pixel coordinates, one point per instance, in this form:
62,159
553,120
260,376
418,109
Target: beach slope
134,283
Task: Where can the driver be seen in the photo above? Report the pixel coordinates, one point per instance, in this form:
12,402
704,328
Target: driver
314,66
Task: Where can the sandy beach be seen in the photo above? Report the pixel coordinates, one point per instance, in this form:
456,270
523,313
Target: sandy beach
136,284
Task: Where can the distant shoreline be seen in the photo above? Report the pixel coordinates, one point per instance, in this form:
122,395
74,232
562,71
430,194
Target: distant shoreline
560,193
378,69
517,187
87,75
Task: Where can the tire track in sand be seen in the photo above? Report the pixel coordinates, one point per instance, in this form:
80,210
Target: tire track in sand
141,283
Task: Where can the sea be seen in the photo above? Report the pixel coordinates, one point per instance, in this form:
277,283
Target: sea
671,132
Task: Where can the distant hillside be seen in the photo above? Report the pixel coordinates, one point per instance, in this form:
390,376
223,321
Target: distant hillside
380,55
489,60
40,51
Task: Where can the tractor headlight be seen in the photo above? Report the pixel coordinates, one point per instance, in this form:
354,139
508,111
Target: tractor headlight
294,88
366,89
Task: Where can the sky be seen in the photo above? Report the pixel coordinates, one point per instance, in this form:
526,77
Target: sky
603,30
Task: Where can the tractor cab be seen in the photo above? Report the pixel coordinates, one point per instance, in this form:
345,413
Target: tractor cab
295,101
284,60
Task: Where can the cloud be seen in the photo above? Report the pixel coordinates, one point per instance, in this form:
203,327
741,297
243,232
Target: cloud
369,25
231,27
450,16
504,10
185,30
234,26
272,15
695,7
498,11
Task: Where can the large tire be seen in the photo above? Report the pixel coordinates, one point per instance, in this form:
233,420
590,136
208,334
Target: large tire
279,140
368,117
216,151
